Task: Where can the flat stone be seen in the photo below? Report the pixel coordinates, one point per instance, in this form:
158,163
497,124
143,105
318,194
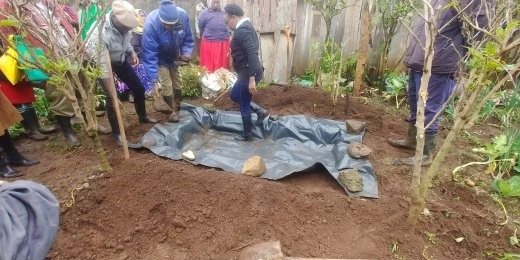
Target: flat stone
358,150
188,155
254,166
352,180
355,127
268,250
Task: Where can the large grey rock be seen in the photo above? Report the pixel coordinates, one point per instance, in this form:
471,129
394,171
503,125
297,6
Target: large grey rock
352,180
254,166
354,126
358,150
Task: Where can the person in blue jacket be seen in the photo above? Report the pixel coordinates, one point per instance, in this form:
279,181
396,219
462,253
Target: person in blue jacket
167,37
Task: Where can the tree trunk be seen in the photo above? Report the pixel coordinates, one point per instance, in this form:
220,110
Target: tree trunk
447,145
328,25
423,95
100,152
364,40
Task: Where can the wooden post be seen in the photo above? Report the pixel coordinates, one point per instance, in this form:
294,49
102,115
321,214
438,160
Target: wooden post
113,95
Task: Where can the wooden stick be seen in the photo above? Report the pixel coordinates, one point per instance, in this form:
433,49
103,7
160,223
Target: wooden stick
113,95
220,96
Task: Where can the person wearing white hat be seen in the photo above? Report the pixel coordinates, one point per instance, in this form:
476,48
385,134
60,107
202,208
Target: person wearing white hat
115,38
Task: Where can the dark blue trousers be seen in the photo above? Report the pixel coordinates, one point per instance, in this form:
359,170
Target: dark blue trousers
439,90
240,94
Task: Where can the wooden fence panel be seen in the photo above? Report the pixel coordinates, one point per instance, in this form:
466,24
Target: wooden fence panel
307,27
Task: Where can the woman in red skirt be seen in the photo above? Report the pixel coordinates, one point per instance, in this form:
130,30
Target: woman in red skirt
22,97
214,45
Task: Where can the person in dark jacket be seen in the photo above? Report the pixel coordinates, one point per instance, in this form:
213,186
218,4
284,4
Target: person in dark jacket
244,52
449,49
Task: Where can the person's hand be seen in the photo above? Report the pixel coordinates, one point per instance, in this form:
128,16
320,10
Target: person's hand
252,85
135,59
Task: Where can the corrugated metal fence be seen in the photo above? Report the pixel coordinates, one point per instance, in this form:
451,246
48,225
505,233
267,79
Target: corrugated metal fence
283,56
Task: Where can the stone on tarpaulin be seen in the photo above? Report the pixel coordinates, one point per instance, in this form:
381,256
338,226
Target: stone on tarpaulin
188,155
355,127
254,166
352,180
358,150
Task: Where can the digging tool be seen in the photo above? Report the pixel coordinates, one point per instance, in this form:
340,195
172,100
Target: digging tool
287,31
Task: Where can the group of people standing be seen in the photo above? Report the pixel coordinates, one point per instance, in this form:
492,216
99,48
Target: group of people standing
165,40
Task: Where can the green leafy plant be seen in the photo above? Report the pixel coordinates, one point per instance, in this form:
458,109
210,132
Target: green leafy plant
432,238
502,155
395,88
349,67
510,256
41,105
191,84
262,85
307,75
329,68
16,130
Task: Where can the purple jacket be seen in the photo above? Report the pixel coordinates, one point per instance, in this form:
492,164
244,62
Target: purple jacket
450,43
212,26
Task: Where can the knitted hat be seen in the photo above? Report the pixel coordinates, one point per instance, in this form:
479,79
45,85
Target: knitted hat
168,12
125,13
234,9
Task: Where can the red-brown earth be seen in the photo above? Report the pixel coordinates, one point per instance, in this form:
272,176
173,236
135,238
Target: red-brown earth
149,207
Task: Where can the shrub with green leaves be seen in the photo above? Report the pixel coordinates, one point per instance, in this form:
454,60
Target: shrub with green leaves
41,105
191,83
395,85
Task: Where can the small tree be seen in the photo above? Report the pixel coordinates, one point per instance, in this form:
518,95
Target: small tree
328,9
389,14
328,65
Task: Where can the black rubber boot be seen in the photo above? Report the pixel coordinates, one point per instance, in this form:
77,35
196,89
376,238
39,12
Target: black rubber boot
409,142
69,134
43,130
13,157
140,109
246,136
430,143
119,141
6,171
31,127
260,112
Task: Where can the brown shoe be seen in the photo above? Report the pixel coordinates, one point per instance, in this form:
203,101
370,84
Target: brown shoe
160,105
